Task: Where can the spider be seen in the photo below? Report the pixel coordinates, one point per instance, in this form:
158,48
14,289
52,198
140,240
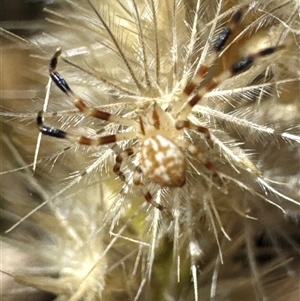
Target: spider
159,132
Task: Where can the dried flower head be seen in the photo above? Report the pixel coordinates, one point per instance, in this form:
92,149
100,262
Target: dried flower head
188,105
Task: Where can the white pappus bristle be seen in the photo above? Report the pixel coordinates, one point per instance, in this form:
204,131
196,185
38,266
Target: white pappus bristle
165,152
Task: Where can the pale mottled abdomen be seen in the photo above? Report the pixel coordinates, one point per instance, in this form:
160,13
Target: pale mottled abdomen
163,162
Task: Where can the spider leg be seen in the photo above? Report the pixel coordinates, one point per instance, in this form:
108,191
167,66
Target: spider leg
203,69
119,160
137,180
78,102
210,166
137,176
238,67
180,124
58,133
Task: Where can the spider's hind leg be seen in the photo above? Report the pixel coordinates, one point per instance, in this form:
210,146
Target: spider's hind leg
180,124
137,180
207,163
119,160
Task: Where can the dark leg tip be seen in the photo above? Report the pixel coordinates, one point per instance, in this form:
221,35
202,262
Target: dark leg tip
39,118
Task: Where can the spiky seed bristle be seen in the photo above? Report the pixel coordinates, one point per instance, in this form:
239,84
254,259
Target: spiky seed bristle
120,57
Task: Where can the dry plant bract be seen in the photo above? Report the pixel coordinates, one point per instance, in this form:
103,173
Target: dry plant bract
172,166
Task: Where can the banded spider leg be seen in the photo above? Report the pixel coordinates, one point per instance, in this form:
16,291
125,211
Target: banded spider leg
79,103
160,133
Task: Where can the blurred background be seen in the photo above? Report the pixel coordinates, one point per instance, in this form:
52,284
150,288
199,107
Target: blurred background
23,80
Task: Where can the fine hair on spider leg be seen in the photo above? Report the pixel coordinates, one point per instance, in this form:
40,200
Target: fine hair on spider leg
162,148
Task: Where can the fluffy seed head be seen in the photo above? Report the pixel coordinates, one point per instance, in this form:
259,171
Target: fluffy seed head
119,56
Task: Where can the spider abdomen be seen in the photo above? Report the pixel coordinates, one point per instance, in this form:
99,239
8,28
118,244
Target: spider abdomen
162,161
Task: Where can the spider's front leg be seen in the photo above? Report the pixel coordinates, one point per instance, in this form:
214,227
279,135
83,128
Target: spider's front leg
238,67
58,133
119,160
62,84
